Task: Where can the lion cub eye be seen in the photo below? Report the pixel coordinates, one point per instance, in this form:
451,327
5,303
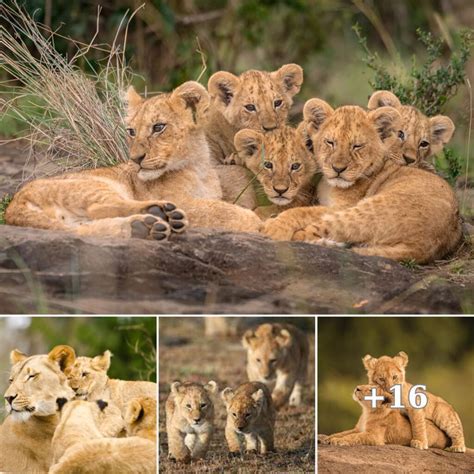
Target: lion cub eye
395,377
329,143
258,360
277,103
203,405
31,376
424,144
272,361
234,415
357,146
250,107
247,415
131,132
85,374
401,135
268,165
10,381
188,406
295,166
159,127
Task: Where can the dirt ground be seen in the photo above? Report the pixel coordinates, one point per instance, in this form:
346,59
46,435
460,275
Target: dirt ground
185,354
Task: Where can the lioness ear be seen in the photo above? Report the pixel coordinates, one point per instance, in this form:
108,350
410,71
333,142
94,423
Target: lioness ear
442,129
192,96
247,142
211,386
222,86
175,387
386,120
133,100
284,338
227,395
17,356
290,76
134,411
402,359
315,113
102,362
64,356
383,99
369,361
258,396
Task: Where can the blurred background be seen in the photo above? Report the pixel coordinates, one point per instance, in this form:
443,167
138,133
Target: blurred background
440,351
132,342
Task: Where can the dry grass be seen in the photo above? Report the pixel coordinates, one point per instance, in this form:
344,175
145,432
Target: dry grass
186,355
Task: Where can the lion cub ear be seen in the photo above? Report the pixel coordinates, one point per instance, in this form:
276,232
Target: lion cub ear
383,99
247,142
64,356
134,411
402,359
284,338
193,97
290,76
258,396
102,362
442,129
227,395
17,356
303,135
211,386
222,87
248,338
174,387
369,361
133,101
387,120
315,113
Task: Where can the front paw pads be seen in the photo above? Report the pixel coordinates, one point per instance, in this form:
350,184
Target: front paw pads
168,212
150,227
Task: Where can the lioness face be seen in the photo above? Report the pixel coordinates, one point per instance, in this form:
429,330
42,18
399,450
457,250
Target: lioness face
386,371
362,391
162,130
37,387
194,402
257,100
281,160
349,142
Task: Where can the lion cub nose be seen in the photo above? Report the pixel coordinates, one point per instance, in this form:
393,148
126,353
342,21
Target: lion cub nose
10,399
339,170
138,158
197,420
408,159
280,190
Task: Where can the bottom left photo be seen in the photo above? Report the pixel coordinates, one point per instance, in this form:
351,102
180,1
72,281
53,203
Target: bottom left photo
76,388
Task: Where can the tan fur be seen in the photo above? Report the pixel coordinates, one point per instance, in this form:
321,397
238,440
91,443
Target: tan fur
140,418
383,425
282,162
278,354
405,213
169,162
38,386
88,377
387,371
230,95
190,420
250,418
84,442
422,137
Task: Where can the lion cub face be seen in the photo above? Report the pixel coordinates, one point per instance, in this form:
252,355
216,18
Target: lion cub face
162,129
349,142
193,401
266,348
386,371
281,160
88,374
421,137
362,391
256,99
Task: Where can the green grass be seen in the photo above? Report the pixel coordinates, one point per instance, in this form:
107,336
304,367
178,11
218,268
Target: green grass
4,202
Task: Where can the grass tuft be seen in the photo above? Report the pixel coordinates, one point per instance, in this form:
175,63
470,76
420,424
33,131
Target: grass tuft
4,202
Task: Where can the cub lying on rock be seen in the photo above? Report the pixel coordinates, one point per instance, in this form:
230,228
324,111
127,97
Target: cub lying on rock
250,418
383,425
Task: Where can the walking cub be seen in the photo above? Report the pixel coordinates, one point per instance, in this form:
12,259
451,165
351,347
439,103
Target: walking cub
190,420
387,371
404,213
278,354
383,425
140,418
250,418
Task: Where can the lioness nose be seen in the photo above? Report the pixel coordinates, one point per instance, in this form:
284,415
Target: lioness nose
408,159
339,170
280,190
138,158
10,399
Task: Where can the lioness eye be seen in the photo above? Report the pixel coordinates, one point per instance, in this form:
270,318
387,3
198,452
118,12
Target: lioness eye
401,135
329,142
131,131
424,144
250,107
268,165
159,127
295,166
277,103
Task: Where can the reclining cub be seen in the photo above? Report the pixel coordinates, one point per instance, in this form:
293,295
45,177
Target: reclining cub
88,377
278,353
404,213
87,430
250,418
190,420
387,371
383,425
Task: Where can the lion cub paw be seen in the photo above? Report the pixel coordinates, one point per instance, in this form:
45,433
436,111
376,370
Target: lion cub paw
149,227
417,444
168,212
456,449
339,442
278,229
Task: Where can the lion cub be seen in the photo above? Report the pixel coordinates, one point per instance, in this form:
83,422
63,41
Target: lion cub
140,418
278,353
88,377
190,420
283,163
250,418
383,425
387,371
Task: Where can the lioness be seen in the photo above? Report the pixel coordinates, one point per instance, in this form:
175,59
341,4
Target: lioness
387,371
250,418
190,420
278,353
383,425
38,389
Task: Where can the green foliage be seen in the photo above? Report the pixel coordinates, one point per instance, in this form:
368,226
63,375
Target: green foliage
450,165
427,86
4,202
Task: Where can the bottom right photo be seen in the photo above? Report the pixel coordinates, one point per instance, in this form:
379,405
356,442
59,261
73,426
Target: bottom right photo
395,394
